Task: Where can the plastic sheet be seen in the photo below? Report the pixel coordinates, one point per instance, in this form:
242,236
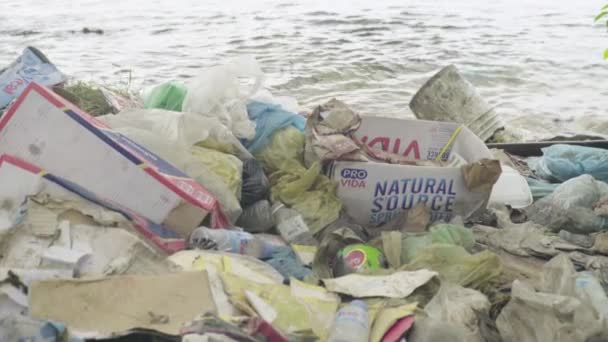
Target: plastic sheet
268,119
255,183
441,233
218,92
570,206
169,95
562,162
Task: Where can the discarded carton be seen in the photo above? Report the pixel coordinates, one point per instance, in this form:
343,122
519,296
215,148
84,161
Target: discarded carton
101,307
19,179
375,193
44,129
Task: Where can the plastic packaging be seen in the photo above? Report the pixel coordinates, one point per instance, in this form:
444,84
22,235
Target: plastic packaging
540,188
570,206
560,163
285,261
291,225
32,65
351,323
588,286
218,92
255,184
441,233
169,95
270,118
358,258
257,218
231,241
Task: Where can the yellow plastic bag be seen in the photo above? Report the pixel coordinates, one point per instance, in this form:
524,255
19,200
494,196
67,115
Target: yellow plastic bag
228,167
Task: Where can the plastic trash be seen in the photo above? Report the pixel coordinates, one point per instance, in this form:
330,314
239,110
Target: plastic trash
218,92
450,234
455,264
268,119
255,183
31,66
169,95
399,284
448,96
570,206
560,163
286,146
588,286
228,167
359,258
285,261
291,225
257,217
540,188
351,323
231,241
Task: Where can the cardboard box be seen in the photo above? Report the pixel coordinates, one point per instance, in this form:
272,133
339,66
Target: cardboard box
19,179
46,130
375,193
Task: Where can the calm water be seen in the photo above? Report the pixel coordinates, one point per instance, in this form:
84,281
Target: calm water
539,58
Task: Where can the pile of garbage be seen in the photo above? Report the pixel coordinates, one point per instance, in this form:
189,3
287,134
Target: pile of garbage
212,210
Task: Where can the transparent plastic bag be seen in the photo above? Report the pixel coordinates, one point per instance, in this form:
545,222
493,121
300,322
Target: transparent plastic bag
219,92
169,95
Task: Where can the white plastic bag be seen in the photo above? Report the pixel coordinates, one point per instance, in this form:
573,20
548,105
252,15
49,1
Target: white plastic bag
219,92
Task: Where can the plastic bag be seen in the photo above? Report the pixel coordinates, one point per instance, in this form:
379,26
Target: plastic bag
455,264
562,162
228,167
312,194
540,188
32,65
255,183
169,95
570,206
441,233
218,92
268,119
257,217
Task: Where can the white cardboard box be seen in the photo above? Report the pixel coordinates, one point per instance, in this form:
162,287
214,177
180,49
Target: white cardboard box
44,129
375,193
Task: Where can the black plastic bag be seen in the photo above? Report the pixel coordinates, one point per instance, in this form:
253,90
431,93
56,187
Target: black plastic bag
255,183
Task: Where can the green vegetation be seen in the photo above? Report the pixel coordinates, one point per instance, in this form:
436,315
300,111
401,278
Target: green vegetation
603,13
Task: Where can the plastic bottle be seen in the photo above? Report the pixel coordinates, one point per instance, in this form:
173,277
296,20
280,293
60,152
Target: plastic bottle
231,241
588,286
351,323
291,225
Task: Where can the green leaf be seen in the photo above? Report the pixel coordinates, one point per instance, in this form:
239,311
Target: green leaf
599,16
606,54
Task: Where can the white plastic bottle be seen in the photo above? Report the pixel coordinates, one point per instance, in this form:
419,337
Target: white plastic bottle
291,226
231,241
351,323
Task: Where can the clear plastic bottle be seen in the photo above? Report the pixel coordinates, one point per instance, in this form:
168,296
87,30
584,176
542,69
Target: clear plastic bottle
291,225
231,241
351,323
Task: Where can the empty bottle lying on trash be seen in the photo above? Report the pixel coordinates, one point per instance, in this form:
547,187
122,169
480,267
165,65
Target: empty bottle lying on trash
351,323
231,241
291,226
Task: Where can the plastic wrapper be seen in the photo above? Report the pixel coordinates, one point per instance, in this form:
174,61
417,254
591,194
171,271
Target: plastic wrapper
257,217
455,264
540,188
301,308
312,194
219,93
229,168
570,206
169,95
270,118
285,261
562,162
255,183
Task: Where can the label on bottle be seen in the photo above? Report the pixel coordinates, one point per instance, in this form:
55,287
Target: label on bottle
292,228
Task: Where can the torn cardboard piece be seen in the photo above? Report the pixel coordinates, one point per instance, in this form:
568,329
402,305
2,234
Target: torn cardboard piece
120,303
41,128
397,285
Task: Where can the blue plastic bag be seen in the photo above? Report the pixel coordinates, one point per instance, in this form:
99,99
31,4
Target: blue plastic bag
540,188
562,162
268,119
32,65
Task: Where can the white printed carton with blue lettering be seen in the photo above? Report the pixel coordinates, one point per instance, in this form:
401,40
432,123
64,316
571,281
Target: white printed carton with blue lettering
374,193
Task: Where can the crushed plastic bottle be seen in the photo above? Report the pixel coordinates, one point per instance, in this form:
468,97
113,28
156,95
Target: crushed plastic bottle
231,241
351,323
291,225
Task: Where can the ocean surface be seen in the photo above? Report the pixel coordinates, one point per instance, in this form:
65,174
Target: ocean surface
532,59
